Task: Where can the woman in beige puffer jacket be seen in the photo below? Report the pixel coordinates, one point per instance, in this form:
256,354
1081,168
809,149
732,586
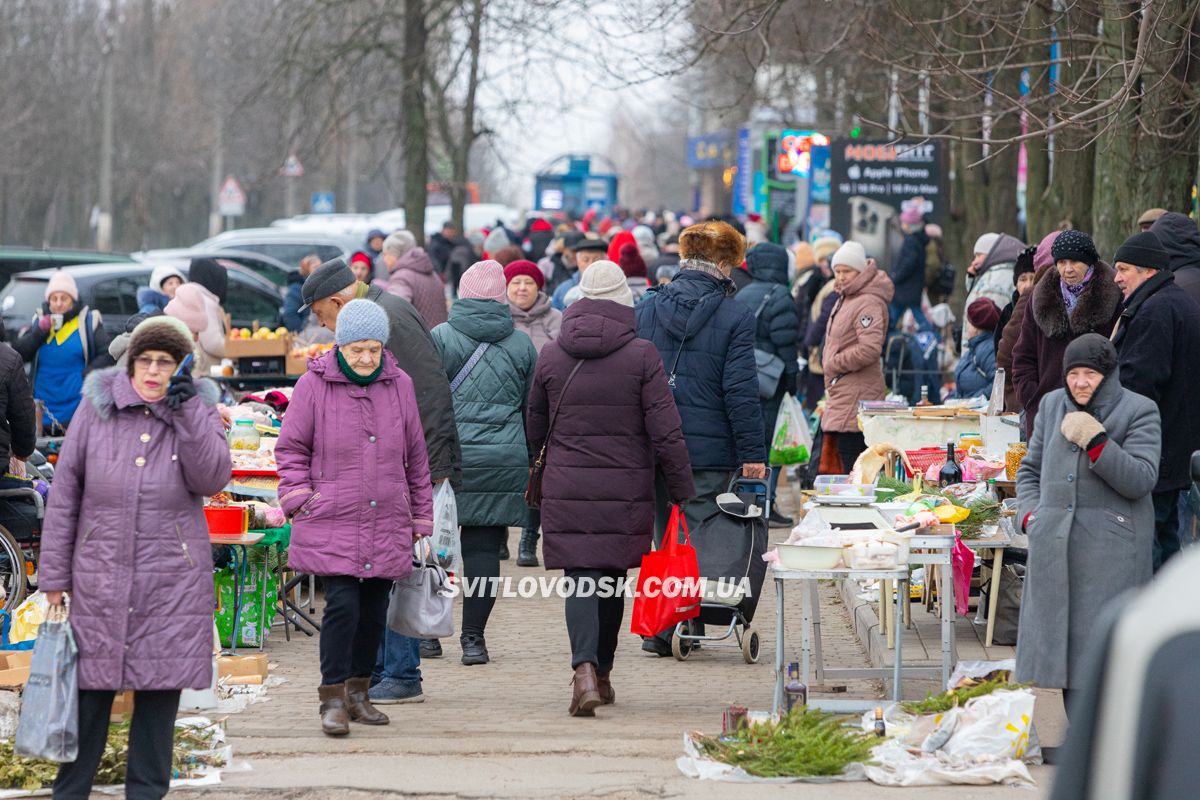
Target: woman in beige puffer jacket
854,341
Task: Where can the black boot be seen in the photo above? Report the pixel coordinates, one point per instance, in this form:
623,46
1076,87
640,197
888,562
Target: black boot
778,520
431,648
527,549
504,548
474,649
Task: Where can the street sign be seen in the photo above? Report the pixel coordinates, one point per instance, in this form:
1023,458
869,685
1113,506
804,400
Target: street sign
292,168
231,200
322,203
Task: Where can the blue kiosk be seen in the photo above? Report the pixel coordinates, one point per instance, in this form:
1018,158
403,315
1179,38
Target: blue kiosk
567,184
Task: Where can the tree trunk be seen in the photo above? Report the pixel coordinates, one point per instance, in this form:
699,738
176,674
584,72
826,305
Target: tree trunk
413,120
1038,212
460,151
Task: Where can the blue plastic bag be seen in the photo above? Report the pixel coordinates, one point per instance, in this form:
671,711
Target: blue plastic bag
49,723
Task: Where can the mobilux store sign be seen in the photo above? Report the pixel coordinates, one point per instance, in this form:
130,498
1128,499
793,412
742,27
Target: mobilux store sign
871,180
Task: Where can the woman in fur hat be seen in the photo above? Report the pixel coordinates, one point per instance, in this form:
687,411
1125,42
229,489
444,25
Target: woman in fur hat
125,536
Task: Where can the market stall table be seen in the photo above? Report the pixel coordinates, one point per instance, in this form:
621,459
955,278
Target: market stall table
810,614
241,543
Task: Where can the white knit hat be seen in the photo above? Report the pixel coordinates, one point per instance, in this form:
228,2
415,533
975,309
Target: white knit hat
62,281
985,243
604,280
161,273
851,254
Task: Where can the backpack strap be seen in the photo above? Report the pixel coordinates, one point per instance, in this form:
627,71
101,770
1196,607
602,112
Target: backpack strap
469,366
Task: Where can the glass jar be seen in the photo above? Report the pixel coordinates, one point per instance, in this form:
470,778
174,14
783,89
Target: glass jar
243,435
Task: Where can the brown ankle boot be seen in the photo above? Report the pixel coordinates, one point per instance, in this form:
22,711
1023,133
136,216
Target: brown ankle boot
586,695
335,721
361,709
603,685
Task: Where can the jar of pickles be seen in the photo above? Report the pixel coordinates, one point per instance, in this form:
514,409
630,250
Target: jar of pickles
243,435
1013,459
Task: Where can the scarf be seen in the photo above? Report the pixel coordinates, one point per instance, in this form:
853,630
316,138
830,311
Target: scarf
361,380
710,269
1070,294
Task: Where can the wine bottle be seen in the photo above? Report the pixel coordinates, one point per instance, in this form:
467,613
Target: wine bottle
951,472
795,692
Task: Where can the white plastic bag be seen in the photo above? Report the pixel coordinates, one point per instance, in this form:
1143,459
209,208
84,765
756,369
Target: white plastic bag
792,442
446,542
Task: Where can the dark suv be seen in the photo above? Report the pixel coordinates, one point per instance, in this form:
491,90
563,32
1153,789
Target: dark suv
14,260
111,289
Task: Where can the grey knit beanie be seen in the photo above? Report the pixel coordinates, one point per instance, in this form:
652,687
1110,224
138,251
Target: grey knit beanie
361,320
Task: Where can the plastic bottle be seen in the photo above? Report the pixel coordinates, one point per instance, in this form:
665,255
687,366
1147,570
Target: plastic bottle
924,401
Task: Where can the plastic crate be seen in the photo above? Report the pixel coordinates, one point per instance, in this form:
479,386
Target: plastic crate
230,521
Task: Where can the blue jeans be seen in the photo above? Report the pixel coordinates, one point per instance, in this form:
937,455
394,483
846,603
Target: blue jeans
896,311
399,658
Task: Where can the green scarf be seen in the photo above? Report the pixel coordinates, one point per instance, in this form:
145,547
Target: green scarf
361,380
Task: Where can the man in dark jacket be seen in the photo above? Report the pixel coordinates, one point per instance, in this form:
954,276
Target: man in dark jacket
441,244
18,421
706,340
908,273
776,332
326,292
295,319
1181,238
1158,342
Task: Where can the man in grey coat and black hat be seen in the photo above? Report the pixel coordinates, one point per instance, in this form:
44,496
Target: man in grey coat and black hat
1083,494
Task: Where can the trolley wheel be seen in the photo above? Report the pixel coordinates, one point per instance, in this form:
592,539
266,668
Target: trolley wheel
750,645
12,570
680,648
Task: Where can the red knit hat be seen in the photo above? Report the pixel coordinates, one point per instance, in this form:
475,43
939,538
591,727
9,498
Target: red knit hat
614,246
527,268
360,256
540,224
984,314
632,263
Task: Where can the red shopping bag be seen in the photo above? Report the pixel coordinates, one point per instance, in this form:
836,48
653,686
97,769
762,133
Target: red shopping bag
668,586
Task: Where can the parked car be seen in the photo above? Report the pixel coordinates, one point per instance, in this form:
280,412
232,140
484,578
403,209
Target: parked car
111,289
283,245
14,260
267,267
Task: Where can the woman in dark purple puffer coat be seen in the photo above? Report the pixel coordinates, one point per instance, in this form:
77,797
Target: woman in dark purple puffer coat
125,536
616,420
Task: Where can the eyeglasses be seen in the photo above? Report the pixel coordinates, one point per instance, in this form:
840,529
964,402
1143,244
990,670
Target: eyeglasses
161,364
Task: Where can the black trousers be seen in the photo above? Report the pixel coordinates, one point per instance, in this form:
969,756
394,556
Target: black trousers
481,559
151,741
352,626
534,523
1167,541
594,618
850,446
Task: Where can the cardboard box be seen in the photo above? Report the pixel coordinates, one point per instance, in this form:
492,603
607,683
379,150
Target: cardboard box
247,348
240,669
296,364
14,667
122,707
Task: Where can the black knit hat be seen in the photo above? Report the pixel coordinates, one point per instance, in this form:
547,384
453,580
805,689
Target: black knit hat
1024,263
1144,250
163,333
1075,246
1090,350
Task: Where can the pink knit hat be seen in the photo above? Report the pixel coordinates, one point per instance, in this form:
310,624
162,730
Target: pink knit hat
188,307
1043,256
483,281
61,281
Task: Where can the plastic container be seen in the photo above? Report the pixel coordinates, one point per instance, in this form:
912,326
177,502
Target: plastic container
800,556
244,436
872,555
227,521
838,490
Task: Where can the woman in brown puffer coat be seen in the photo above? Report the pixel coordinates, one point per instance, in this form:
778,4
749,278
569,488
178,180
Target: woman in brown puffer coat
854,340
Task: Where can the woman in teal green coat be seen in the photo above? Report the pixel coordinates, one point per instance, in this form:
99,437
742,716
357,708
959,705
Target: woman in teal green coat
490,369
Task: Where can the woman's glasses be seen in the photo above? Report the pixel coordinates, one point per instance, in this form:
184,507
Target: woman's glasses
161,364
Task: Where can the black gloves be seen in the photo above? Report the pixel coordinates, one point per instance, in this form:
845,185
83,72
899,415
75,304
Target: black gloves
789,382
180,390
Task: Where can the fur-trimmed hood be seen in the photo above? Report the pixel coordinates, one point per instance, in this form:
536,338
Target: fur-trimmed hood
1095,309
111,389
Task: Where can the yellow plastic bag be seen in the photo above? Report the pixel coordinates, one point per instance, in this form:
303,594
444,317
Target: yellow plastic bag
27,618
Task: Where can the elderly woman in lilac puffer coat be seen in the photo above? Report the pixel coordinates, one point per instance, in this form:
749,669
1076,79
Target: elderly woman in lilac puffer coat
125,535
354,478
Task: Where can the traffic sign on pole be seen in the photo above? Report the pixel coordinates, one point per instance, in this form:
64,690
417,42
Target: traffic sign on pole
231,200
292,168
322,203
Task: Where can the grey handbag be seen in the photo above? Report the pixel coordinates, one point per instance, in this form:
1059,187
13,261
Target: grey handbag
770,366
422,605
